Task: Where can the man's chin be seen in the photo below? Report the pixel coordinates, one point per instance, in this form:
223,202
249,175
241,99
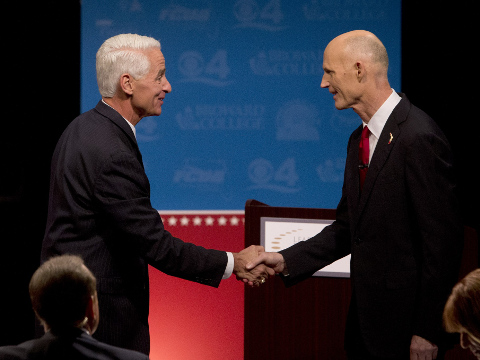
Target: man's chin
155,113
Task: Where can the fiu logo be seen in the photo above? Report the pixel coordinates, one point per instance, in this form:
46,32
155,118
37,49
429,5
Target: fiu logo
201,172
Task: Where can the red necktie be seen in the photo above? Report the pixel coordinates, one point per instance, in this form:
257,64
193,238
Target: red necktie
363,155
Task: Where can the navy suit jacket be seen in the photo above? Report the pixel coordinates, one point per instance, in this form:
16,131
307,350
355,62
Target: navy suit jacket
99,208
76,345
403,232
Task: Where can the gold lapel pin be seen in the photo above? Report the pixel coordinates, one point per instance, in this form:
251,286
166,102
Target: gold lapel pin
391,138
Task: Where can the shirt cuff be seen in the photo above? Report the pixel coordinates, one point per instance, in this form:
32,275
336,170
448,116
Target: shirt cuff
229,269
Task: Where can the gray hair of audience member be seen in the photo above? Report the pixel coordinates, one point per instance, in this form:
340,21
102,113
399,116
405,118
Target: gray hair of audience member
121,54
60,291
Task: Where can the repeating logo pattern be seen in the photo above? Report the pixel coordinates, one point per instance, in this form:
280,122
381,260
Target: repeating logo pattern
228,117
246,117
259,15
198,172
195,68
264,175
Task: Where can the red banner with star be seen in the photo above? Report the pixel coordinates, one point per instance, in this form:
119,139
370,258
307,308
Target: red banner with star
193,321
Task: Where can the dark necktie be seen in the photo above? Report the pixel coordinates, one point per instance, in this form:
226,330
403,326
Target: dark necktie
363,155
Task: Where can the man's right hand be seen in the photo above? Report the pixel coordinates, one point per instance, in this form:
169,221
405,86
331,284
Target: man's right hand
271,259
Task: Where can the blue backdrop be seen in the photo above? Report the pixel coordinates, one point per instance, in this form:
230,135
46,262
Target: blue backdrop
246,117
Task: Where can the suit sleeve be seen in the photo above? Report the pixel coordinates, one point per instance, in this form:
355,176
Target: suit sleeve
123,198
332,243
431,184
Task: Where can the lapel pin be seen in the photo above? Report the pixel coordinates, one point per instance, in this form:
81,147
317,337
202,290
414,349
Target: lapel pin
391,138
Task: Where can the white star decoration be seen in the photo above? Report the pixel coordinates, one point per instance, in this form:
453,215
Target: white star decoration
203,220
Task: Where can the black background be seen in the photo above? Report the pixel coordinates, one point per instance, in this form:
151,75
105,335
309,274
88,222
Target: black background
41,95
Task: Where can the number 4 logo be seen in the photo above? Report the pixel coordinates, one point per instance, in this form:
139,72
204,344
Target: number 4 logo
214,72
218,65
272,11
287,173
264,175
250,12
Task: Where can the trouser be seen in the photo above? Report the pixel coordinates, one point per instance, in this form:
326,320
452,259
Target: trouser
355,344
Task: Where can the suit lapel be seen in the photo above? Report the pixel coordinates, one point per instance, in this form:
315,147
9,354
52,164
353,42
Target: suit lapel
352,166
386,142
118,120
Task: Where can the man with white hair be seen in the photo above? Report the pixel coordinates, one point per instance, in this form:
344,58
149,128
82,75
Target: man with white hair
99,204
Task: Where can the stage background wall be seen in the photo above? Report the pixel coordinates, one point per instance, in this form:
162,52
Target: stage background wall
246,117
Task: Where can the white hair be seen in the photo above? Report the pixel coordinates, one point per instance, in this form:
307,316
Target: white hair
122,54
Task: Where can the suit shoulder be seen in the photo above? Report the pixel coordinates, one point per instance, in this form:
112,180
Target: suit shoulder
110,351
122,354
93,132
20,351
12,353
419,124
422,138
92,123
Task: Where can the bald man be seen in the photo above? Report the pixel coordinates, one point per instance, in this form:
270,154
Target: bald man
398,215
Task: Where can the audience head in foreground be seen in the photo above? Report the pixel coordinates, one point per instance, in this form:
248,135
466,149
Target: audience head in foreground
64,298
462,312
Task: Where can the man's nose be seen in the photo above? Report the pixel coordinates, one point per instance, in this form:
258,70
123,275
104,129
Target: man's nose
324,84
167,87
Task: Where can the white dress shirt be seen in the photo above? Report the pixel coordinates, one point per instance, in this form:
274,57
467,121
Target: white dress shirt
378,120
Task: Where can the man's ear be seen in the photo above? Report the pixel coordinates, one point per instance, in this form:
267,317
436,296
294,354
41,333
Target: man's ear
42,322
89,311
126,83
92,313
360,68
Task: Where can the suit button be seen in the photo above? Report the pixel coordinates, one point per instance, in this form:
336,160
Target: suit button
357,241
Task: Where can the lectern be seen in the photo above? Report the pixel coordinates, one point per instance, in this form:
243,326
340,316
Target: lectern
306,321
294,323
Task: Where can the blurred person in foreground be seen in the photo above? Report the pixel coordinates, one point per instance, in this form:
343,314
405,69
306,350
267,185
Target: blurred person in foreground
99,202
64,298
398,215
462,312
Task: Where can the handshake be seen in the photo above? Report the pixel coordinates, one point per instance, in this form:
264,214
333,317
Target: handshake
254,266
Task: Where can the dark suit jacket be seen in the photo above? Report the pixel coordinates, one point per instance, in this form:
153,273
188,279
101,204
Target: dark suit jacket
99,208
76,345
403,232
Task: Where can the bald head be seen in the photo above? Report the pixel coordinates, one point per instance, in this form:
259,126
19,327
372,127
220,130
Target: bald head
365,44
361,45
355,68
